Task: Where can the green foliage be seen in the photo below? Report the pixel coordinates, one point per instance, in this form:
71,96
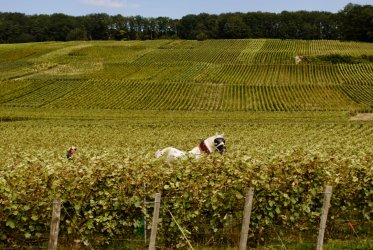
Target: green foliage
102,191
339,58
352,23
353,245
336,58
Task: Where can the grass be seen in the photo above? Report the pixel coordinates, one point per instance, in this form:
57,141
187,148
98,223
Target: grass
361,244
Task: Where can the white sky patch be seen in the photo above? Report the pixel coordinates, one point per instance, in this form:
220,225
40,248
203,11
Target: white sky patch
110,3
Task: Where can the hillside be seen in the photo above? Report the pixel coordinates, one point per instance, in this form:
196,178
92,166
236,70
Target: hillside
285,123
212,75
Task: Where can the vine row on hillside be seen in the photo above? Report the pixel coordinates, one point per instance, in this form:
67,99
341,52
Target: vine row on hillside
141,95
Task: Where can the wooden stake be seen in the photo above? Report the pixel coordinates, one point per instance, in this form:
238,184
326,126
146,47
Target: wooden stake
153,234
144,213
246,218
55,224
324,215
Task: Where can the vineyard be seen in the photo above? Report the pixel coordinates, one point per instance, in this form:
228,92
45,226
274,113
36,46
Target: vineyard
287,126
216,75
287,158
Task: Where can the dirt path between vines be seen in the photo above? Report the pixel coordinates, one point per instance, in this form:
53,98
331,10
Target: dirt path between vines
362,117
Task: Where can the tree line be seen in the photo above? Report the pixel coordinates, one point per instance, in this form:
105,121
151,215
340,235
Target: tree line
354,22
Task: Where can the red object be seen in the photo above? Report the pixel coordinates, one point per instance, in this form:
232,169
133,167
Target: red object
351,226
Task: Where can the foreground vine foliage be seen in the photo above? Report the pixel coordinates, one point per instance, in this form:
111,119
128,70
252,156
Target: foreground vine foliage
288,164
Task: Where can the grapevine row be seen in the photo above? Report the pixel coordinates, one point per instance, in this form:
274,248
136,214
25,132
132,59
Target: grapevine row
189,95
282,156
193,95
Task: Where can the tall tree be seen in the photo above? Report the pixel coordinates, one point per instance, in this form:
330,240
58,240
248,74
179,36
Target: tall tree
119,27
354,22
14,28
39,29
186,27
232,25
206,26
97,26
357,22
60,25
166,27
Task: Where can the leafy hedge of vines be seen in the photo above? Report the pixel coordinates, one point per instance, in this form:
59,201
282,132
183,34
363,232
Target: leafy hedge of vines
103,196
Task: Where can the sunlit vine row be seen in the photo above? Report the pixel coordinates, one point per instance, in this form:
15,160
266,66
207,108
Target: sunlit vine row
286,159
199,96
271,74
356,74
360,94
8,88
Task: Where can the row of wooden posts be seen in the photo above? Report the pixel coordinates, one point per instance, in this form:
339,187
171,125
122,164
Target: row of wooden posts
53,239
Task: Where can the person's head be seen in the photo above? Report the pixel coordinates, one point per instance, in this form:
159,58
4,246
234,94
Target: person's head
71,152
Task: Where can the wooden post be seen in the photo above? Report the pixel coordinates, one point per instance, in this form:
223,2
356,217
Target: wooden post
324,215
246,218
55,224
144,214
153,234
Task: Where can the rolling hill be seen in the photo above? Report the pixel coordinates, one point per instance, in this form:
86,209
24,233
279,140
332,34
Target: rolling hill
211,75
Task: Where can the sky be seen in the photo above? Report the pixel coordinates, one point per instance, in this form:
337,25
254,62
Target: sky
175,9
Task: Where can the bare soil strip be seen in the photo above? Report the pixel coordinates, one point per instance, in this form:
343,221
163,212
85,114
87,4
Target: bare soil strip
362,117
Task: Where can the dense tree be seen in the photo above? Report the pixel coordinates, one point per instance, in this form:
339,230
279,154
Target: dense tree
119,27
354,22
166,27
261,24
232,25
77,34
207,26
357,22
60,26
15,27
97,26
40,28
187,26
